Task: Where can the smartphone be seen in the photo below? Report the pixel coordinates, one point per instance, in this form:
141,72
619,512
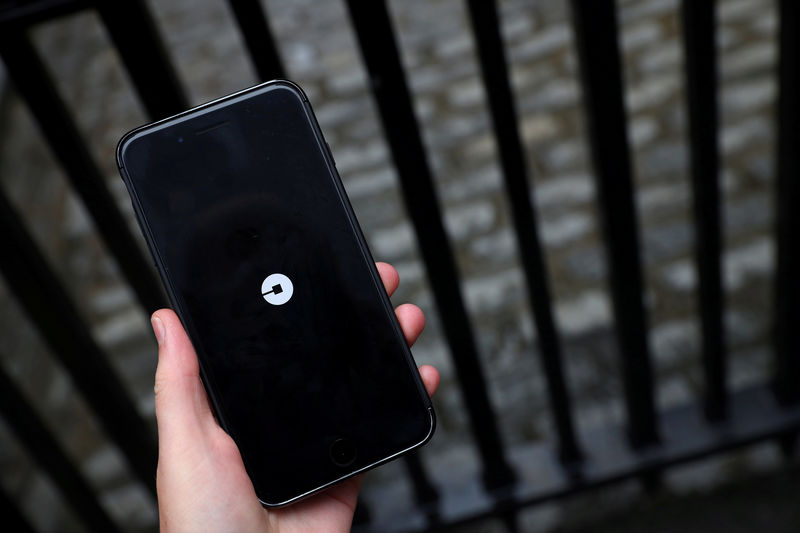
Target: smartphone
263,260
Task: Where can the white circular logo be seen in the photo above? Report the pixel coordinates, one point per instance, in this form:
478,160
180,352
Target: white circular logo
277,289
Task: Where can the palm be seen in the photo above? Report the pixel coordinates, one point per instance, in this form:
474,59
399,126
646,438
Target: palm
331,510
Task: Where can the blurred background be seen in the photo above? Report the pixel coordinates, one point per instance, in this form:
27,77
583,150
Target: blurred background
744,489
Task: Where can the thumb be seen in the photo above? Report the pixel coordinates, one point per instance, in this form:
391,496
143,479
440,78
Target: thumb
182,408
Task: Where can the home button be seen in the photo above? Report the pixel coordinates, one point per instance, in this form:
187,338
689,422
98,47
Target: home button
343,452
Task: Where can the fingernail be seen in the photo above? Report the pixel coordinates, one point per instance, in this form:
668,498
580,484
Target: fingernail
158,329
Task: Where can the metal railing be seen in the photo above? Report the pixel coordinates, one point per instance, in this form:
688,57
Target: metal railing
511,477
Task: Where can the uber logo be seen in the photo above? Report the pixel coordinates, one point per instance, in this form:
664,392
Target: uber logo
277,289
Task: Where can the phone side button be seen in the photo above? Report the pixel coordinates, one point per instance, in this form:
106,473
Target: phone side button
343,452
142,228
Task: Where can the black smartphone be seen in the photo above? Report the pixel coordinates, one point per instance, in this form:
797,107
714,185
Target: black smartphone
264,262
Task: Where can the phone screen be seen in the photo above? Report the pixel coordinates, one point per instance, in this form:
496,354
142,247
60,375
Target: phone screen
264,261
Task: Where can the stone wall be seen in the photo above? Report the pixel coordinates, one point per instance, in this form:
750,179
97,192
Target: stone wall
320,53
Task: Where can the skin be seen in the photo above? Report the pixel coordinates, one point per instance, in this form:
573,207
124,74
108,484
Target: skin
201,481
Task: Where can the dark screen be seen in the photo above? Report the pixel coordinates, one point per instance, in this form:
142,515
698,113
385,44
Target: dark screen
237,191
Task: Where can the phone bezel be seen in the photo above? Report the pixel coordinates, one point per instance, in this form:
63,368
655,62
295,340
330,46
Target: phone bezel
129,137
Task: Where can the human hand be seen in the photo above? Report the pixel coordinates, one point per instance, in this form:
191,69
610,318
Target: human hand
201,480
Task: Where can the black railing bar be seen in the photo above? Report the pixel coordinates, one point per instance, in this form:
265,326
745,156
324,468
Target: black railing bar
20,14
755,418
44,448
12,518
510,520
699,37
376,39
601,76
41,295
486,27
787,280
252,21
362,513
425,493
787,443
28,74
133,31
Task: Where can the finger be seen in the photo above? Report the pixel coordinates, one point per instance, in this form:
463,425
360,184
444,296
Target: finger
389,276
412,321
430,377
181,403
